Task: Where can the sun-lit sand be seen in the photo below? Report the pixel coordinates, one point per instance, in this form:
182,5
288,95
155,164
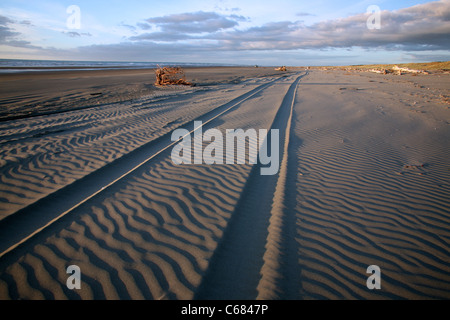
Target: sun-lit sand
87,179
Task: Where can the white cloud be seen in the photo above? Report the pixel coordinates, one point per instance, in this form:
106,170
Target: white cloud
195,22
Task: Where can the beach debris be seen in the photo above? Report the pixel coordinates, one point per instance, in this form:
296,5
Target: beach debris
381,71
445,99
283,68
171,76
415,168
407,70
396,70
350,88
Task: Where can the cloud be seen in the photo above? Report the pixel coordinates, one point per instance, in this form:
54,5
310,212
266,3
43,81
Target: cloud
10,37
144,26
269,32
424,26
161,36
186,26
74,34
144,51
26,23
195,22
128,26
304,14
5,20
5,31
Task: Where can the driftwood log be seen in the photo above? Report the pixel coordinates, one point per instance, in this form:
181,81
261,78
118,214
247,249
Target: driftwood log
398,71
407,70
381,71
171,76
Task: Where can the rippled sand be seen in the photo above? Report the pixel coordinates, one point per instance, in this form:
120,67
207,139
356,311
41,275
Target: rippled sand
364,179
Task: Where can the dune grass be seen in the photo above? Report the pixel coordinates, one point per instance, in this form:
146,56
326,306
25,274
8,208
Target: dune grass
430,66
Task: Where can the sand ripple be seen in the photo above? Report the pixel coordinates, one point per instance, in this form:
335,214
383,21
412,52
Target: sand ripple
362,203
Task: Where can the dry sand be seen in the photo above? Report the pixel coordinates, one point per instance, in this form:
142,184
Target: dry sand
87,179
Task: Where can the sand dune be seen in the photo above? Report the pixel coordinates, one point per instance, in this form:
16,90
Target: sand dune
363,180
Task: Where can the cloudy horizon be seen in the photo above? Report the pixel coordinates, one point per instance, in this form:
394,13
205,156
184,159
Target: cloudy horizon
227,31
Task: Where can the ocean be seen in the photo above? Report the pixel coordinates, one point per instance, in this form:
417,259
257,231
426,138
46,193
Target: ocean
17,66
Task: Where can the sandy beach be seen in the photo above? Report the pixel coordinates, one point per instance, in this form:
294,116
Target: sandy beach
88,179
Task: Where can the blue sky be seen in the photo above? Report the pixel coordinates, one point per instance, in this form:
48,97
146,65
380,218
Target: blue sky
289,32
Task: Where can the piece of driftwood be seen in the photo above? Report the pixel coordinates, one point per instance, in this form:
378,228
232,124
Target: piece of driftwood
171,76
407,70
381,71
396,70
283,68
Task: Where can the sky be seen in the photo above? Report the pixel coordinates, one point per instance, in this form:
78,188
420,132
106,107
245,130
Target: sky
262,32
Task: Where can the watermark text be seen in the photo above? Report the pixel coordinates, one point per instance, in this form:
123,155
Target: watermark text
229,150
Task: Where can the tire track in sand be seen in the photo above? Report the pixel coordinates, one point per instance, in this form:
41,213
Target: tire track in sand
249,262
